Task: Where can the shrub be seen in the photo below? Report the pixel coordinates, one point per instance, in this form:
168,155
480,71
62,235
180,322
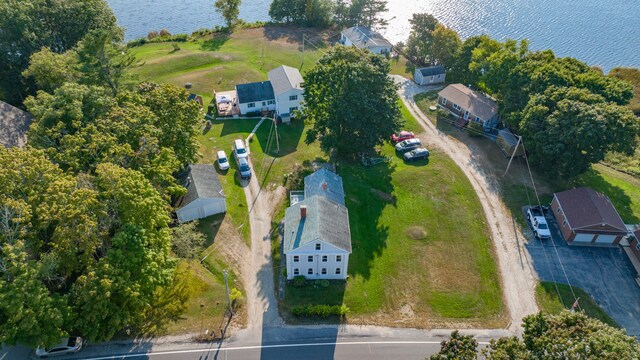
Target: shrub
299,281
235,295
252,113
137,42
321,311
152,35
475,128
165,33
176,47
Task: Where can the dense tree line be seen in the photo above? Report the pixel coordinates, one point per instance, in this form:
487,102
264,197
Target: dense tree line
567,335
324,13
569,114
85,241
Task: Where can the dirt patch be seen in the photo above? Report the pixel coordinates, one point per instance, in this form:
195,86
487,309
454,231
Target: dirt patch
445,273
416,232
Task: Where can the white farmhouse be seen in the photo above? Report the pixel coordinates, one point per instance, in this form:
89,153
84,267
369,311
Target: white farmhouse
287,88
204,195
317,238
364,38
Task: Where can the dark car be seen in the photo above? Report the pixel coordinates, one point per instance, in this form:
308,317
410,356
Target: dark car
416,154
401,136
407,145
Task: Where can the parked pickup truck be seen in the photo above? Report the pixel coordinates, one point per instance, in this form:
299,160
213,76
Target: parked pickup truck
535,216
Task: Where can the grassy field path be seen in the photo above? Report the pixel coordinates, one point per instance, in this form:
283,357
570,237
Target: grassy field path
518,277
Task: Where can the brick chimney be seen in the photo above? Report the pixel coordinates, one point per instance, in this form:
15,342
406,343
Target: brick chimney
324,186
303,211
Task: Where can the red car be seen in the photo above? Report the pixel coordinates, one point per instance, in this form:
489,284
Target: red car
401,136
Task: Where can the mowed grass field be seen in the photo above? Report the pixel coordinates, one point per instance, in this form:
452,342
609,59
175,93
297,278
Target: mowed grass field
218,62
421,251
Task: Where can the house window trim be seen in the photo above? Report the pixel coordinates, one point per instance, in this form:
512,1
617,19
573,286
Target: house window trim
338,271
310,258
638,245
251,105
292,109
564,222
323,271
338,258
271,102
478,119
318,247
296,258
325,258
444,100
457,107
296,271
310,271
293,97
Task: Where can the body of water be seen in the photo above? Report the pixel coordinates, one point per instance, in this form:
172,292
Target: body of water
605,33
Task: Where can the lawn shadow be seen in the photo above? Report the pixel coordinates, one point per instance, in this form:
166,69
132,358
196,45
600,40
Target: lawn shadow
215,42
210,227
288,137
368,192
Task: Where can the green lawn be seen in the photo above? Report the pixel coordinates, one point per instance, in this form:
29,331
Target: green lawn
550,302
421,253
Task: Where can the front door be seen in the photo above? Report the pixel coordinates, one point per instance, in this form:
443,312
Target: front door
466,115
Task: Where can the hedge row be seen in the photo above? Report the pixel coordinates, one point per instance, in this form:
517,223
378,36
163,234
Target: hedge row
158,39
323,311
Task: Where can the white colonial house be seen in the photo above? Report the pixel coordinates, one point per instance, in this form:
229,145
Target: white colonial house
317,239
204,195
287,88
255,97
363,37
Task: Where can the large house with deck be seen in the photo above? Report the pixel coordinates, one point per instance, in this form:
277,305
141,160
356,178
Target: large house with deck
317,238
469,105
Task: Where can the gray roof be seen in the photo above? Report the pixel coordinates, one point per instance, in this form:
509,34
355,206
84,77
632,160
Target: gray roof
253,92
325,221
14,124
584,207
201,182
364,37
432,70
285,78
472,101
314,184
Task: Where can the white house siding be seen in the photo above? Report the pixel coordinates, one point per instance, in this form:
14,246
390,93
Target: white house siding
283,104
346,41
380,49
201,208
244,107
427,80
303,264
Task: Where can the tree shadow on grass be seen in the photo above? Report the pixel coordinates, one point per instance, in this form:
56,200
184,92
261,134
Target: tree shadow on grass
288,137
210,227
368,192
215,42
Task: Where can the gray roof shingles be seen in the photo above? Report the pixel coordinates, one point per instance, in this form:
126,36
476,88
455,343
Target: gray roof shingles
473,101
254,92
203,183
14,124
364,37
432,70
285,78
314,184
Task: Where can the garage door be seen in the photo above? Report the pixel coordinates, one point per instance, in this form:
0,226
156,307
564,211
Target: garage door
583,238
605,239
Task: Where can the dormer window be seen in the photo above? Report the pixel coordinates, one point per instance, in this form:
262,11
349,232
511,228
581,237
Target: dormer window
318,247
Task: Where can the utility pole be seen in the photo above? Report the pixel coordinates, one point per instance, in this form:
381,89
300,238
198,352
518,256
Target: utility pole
302,51
513,154
226,286
275,123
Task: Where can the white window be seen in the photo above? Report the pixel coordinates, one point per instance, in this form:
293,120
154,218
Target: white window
251,105
455,106
293,97
296,258
338,258
292,109
310,258
466,114
271,102
324,271
325,258
432,77
444,101
318,247
478,119
310,271
296,271
638,245
564,222
559,210
338,271
264,103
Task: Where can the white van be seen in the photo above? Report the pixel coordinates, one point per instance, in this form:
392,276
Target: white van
223,161
239,150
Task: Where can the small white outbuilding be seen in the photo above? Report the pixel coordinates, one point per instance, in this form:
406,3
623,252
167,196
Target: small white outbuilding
429,75
204,195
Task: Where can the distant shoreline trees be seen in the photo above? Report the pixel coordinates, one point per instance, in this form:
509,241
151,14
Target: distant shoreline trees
325,13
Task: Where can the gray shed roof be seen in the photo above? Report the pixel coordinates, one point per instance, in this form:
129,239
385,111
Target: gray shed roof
325,221
364,37
473,101
324,183
14,124
201,182
285,78
253,92
432,70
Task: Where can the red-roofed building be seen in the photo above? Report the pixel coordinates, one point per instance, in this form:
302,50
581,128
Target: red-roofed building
587,217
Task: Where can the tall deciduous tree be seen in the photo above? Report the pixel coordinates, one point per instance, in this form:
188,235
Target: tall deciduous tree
446,45
51,70
420,42
368,13
229,9
568,129
350,101
29,25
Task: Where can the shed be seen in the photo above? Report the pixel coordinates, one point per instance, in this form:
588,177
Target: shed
507,142
204,196
429,75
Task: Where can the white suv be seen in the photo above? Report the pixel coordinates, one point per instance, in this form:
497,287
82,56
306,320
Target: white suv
239,150
223,161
